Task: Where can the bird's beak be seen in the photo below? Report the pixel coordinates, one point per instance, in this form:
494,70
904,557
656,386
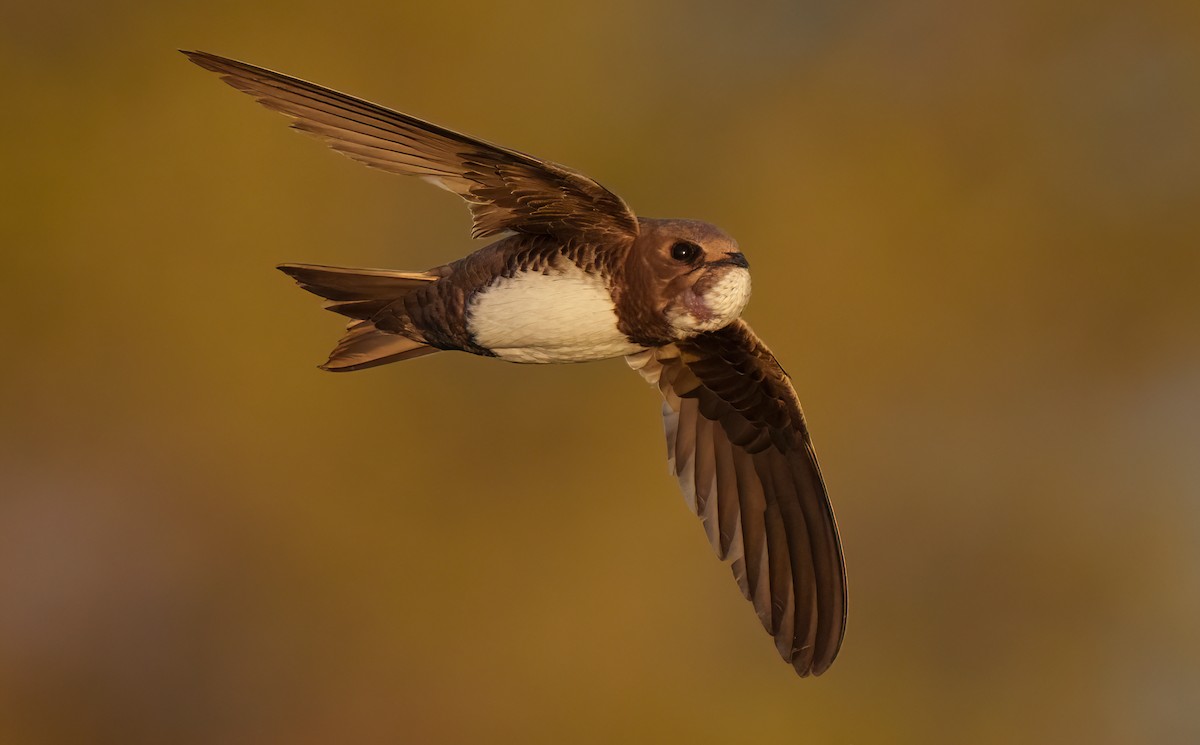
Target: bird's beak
733,258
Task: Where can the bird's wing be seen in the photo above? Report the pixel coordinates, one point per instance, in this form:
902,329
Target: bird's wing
737,442
504,189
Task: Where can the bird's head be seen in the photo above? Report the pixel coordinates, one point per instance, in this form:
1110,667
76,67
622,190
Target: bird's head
699,277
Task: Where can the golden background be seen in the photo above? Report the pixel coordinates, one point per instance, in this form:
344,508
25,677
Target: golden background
975,237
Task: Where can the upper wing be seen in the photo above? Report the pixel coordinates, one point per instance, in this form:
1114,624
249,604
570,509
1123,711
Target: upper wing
504,189
738,443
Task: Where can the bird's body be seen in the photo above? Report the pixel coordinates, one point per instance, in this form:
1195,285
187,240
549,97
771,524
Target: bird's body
575,276
561,313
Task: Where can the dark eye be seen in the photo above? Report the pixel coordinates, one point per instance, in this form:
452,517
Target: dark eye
684,251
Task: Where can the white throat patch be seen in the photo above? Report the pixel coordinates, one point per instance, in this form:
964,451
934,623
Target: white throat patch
562,314
721,304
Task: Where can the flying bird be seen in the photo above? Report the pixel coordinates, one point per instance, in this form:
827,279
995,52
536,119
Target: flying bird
572,276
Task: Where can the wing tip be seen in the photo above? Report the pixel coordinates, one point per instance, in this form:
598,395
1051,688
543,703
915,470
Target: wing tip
206,60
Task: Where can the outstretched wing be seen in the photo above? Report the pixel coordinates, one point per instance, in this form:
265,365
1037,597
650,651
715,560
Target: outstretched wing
738,443
505,190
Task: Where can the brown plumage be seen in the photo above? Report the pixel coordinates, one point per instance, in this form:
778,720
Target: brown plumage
738,443
504,189
575,276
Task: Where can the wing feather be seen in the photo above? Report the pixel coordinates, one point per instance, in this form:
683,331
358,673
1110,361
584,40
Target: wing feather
504,189
741,450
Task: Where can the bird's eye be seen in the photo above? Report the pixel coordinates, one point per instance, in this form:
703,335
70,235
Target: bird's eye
685,251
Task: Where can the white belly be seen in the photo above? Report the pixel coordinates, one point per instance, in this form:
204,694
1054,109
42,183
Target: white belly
564,316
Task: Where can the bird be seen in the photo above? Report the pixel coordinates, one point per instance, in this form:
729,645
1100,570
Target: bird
573,275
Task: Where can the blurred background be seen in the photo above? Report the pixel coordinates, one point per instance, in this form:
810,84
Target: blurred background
975,230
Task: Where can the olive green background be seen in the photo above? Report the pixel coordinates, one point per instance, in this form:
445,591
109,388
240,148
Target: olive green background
975,236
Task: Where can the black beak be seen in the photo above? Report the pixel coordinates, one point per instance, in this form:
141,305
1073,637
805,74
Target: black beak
736,258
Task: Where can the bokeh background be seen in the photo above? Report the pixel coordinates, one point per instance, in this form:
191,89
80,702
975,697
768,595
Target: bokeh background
975,231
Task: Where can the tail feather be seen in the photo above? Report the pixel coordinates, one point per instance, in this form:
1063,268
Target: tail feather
342,283
363,310
360,294
365,346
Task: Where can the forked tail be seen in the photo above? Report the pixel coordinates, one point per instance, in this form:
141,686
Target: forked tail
360,294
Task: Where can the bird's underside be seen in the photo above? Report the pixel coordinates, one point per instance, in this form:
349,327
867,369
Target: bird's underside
575,275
